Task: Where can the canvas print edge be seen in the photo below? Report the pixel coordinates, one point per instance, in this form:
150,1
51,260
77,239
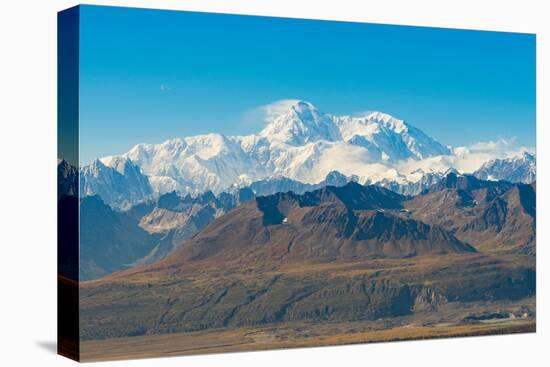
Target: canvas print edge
66,286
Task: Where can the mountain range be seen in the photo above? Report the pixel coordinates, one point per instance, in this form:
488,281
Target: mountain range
319,226
159,194
297,149
491,215
118,181
459,213
329,224
520,168
460,251
113,240
300,143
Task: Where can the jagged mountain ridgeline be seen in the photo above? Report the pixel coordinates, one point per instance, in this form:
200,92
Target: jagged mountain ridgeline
520,168
346,223
119,182
113,240
459,214
492,215
299,149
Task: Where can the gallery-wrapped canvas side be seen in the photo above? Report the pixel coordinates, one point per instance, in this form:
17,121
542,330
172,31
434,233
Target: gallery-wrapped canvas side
67,189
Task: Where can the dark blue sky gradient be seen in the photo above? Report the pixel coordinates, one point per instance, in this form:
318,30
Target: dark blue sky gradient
150,75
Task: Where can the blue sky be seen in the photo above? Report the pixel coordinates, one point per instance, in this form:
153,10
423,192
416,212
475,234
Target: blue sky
151,75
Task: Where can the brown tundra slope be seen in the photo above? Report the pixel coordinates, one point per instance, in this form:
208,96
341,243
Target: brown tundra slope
347,223
490,215
346,255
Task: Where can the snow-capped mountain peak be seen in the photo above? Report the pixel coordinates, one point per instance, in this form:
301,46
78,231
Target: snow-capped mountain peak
387,120
388,137
301,123
298,143
519,168
120,163
368,124
118,181
453,171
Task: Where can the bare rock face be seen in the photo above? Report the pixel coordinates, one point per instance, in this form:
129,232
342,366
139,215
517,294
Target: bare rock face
428,299
67,179
349,222
490,215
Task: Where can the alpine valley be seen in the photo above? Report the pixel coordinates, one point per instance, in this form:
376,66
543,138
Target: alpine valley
318,230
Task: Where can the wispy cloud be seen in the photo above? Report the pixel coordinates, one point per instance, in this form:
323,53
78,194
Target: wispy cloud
164,88
469,158
261,115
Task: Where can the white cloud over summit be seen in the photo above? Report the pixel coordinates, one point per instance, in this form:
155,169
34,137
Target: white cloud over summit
273,110
262,115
